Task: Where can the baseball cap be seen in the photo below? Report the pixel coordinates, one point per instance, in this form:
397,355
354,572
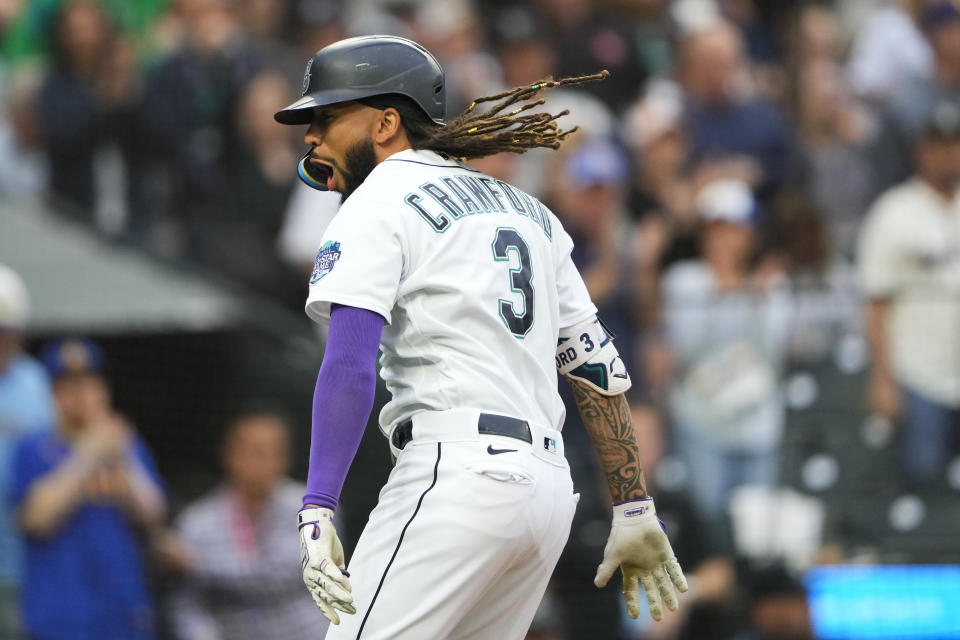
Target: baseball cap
727,200
943,121
72,356
596,162
14,300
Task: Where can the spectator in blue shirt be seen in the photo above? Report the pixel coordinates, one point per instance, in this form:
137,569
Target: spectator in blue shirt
734,132
26,406
80,492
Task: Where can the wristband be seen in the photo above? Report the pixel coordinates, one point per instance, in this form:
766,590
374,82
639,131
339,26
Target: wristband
634,511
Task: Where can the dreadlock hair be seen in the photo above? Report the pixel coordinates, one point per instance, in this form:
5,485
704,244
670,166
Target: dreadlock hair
475,134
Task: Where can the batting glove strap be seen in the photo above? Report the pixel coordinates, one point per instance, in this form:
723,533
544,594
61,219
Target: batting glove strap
313,516
634,512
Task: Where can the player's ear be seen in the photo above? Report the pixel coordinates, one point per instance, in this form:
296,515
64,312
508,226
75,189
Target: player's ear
386,126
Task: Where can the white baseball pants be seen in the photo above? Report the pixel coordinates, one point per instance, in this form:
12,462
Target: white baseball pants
463,540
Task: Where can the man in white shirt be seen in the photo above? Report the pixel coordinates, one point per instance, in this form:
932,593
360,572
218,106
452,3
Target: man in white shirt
909,268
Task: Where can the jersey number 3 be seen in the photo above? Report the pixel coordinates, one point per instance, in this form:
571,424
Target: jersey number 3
505,241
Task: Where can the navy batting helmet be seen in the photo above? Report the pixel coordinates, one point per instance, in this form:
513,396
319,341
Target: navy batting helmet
367,66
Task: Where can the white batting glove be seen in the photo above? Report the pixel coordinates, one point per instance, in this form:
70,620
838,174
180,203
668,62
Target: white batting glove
639,546
321,560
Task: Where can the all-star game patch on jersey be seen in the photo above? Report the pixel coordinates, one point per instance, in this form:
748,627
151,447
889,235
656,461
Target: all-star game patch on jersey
474,278
327,256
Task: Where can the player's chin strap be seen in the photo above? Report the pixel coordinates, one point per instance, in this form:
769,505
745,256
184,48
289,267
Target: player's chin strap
586,352
312,176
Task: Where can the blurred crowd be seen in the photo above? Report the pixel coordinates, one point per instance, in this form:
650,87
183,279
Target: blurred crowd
759,187
86,539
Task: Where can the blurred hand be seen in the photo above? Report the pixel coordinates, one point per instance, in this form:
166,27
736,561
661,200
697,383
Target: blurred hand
650,242
884,398
172,553
639,546
105,439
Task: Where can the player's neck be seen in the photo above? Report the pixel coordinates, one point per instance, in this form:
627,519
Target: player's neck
396,144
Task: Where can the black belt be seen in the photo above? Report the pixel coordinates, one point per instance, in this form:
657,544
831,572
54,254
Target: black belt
488,424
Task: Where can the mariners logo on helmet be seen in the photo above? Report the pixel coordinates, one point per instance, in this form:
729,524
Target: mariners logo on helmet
306,77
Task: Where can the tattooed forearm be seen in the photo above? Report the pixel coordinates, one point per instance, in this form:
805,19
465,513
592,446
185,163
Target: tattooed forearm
610,426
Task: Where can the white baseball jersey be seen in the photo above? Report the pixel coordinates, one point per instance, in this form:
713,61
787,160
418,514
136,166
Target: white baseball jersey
473,277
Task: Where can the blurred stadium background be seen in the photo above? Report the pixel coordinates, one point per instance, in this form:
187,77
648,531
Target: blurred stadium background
150,203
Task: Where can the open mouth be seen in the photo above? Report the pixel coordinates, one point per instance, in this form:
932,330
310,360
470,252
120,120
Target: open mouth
316,173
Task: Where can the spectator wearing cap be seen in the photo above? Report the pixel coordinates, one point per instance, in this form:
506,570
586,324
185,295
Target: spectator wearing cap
81,492
909,269
241,578
26,406
726,324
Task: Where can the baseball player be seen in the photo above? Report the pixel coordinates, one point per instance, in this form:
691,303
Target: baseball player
466,285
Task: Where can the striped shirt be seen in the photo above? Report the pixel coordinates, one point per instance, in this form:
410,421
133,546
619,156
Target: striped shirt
246,583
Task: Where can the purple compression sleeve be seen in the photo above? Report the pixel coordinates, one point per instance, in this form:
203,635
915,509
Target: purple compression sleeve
342,400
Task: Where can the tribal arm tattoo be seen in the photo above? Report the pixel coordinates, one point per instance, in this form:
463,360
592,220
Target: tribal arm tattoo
610,427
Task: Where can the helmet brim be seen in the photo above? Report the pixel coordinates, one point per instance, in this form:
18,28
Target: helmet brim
301,111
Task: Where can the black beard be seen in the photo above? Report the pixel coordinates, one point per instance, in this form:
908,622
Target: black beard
358,161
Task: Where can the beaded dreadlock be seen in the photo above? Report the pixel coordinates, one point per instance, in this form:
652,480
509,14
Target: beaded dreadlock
475,134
